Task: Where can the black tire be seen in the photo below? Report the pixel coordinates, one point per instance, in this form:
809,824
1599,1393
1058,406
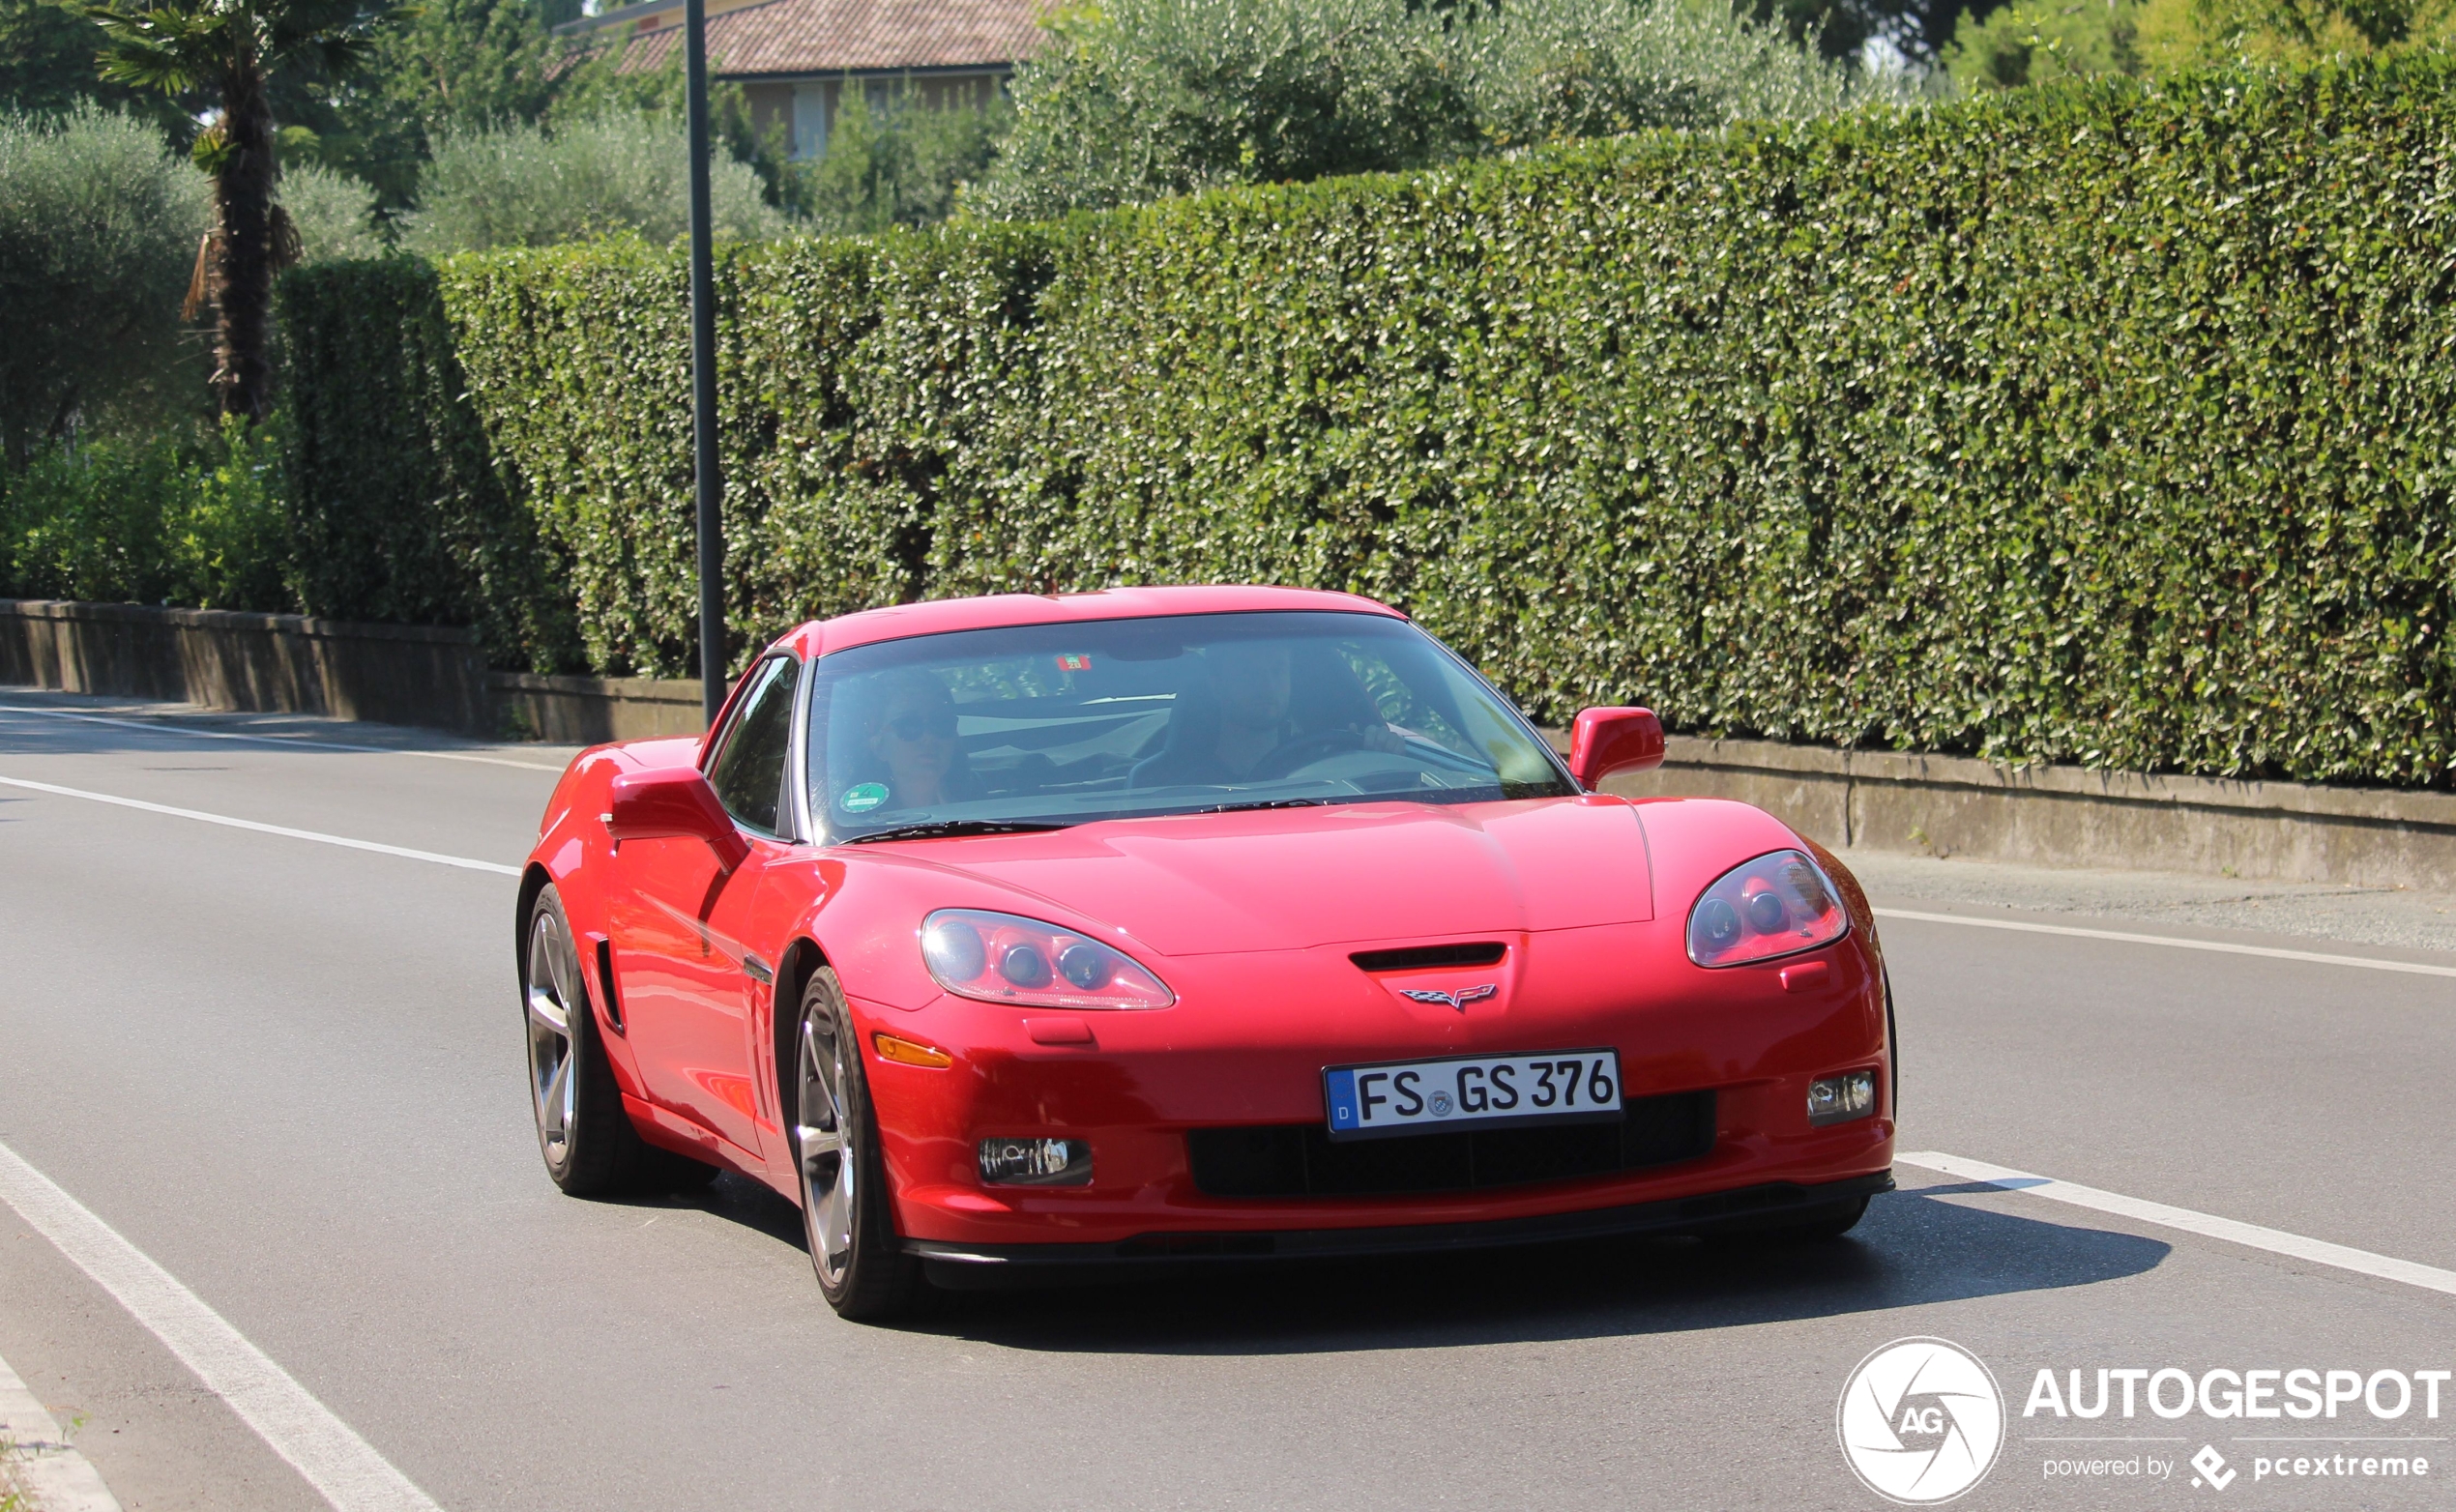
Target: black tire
587,1140
855,1251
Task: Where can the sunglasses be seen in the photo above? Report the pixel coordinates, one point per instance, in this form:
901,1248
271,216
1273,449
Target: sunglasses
912,727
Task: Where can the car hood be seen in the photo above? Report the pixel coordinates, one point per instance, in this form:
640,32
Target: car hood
1283,880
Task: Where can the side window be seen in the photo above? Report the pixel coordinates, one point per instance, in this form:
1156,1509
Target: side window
748,775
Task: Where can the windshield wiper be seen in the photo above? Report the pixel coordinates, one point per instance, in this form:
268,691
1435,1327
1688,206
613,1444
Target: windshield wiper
938,828
1268,802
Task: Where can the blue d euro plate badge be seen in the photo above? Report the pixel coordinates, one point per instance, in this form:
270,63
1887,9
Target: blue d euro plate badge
1473,1091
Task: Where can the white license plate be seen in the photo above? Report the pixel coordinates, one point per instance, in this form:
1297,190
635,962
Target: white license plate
1473,1091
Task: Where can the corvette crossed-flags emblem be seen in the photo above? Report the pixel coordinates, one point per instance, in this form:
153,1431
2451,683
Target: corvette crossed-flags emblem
1457,1000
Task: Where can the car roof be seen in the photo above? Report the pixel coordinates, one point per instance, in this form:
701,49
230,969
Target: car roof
938,616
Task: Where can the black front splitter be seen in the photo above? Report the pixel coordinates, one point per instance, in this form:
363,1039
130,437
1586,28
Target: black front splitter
1776,1204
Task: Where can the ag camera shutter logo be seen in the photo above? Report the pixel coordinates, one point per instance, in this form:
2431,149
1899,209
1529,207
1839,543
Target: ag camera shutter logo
1922,1421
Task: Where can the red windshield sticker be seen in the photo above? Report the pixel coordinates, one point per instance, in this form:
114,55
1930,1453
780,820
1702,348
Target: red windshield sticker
1074,663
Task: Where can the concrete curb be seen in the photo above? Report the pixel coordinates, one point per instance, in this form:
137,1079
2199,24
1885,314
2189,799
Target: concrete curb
53,1473
2072,816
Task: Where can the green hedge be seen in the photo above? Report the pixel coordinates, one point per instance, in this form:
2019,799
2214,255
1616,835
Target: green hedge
398,508
2099,424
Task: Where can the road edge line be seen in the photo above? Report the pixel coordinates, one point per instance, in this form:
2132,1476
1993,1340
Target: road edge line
2251,1236
343,1467
34,1449
2175,942
284,831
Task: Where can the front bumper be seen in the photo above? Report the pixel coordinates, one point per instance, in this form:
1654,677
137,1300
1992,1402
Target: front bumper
1771,1204
1246,1047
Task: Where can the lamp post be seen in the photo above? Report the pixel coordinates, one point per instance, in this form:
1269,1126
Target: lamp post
710,486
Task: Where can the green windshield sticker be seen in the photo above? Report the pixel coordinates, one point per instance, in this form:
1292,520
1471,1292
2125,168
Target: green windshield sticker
862,797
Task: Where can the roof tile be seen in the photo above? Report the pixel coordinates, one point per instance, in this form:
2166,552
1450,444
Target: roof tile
786,37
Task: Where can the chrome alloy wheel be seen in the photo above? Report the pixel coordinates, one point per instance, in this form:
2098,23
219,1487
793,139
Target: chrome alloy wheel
554,995
828,1160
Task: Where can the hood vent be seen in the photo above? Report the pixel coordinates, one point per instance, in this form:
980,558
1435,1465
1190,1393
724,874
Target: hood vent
1418,958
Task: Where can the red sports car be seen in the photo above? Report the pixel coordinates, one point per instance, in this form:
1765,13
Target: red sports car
1180,926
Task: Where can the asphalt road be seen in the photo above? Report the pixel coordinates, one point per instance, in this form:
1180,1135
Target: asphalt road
289,1073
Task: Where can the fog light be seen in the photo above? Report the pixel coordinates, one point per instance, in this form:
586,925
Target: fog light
1035,1162
1835,1099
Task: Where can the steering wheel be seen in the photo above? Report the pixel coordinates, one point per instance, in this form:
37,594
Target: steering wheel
1307,750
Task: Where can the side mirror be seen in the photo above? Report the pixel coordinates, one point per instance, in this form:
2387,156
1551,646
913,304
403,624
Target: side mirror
1606,740
674,803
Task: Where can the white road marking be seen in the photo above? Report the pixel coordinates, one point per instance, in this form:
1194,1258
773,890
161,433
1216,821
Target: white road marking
2221,947
285,830
41,1458
273,740
342,1467
2249,1234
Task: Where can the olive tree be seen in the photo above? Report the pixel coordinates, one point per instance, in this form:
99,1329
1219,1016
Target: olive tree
99,226
1139,99
1548,70
533,186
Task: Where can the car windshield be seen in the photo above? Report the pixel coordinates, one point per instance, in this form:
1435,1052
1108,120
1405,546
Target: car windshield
1047,725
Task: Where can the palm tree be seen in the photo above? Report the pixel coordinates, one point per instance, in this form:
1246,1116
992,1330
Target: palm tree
227,51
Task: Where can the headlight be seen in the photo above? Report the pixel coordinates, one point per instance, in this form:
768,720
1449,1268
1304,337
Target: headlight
1779,904
1001,958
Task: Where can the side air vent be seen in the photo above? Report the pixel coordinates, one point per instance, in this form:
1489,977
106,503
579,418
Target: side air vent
605,974
1416,958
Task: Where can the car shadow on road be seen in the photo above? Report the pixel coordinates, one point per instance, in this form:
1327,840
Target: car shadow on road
1913,1249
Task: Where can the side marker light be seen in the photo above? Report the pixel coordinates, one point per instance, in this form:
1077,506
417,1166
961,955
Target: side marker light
905,1052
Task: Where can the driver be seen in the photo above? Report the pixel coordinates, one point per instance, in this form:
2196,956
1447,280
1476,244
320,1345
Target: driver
1253,680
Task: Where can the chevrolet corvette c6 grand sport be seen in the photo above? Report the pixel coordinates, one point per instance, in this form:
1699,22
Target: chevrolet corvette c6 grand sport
1186,926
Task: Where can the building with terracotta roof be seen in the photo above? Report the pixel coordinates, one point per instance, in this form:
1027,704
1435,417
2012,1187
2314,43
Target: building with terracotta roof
795,58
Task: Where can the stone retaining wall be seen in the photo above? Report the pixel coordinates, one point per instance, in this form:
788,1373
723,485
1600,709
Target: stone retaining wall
286,663
587,711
